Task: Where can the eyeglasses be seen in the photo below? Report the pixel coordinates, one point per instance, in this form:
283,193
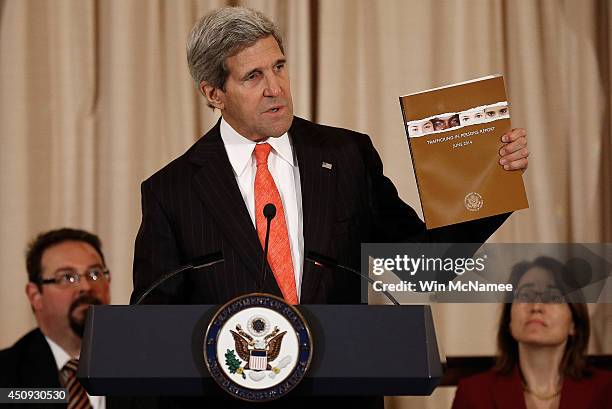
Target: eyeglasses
530,296
69,277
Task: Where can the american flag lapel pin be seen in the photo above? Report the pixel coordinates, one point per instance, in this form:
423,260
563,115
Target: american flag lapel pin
326,165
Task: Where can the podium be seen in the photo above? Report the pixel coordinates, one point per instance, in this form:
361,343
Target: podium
158,350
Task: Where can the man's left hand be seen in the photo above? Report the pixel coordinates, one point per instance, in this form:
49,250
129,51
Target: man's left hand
514,152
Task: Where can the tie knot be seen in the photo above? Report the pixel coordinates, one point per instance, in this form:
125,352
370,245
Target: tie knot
262,151
71,366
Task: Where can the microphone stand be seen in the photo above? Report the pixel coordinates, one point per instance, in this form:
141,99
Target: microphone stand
197,263
330,263
269,212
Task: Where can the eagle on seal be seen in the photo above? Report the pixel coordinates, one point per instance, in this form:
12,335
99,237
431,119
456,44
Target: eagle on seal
258,352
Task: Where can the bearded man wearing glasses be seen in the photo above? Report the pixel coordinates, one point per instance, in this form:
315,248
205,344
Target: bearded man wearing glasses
66,274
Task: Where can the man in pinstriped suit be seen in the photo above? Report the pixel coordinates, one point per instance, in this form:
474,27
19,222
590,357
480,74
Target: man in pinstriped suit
331,182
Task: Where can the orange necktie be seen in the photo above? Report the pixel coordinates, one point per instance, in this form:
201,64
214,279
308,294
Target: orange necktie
279,249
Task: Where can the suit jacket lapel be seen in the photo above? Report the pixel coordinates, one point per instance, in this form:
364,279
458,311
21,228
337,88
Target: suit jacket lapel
216,186
576,394
508,392
318,188
39,367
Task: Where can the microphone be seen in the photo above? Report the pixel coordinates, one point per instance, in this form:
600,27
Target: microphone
269,212
195,264
331,263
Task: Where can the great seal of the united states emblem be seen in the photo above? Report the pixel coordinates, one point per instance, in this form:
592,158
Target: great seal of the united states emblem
473,202
258,347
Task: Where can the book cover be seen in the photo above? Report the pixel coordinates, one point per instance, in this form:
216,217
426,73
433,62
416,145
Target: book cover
454,133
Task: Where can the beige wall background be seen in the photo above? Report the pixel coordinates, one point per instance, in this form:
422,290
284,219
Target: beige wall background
95,96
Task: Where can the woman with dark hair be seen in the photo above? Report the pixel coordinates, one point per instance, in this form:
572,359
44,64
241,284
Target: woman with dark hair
542,339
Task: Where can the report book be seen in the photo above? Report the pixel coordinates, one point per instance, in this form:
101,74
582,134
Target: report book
454,133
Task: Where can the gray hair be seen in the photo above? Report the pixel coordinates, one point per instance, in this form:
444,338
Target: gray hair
222,34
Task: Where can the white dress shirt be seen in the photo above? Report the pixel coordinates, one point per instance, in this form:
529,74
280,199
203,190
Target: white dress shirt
61,358
283,166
